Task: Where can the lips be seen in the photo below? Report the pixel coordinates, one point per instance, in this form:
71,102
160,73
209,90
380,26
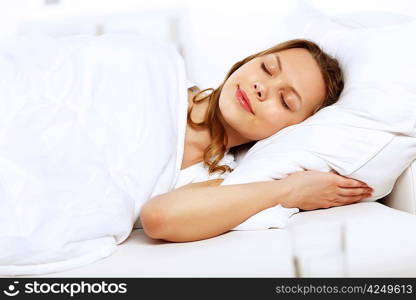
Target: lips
243,100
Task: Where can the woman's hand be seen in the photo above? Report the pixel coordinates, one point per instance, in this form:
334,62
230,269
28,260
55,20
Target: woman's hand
313,189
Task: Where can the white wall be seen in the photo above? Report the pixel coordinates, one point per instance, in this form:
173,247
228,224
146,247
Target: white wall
214,33
223,32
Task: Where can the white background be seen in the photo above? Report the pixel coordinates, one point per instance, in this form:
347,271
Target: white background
212,34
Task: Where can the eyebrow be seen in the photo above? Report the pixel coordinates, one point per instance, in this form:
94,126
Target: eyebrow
279,63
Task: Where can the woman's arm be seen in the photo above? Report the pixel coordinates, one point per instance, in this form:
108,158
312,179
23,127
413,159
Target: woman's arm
203,210
206,209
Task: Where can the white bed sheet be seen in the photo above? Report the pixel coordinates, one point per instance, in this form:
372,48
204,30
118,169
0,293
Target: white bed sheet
380,243
263,253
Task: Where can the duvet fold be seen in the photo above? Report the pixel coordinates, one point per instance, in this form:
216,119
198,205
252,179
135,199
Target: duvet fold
90,128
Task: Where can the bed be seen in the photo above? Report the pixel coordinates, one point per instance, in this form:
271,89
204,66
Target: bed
375,230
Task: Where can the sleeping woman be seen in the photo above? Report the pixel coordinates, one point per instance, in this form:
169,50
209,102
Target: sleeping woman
259,96
96,131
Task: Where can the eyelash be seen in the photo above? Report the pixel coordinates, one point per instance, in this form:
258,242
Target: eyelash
263,66
282,99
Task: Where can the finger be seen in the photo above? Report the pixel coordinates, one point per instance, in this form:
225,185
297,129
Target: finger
349,182
353,191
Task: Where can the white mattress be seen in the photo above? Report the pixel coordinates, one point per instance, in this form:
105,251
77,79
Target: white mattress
380,243
263,253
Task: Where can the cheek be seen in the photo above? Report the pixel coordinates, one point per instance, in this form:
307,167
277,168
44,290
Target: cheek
227,92
273,115
225,102
275,119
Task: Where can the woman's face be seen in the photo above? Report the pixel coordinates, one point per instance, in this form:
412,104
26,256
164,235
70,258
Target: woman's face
283,88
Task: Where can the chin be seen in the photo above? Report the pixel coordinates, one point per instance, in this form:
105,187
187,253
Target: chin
239,121
247,134
255,136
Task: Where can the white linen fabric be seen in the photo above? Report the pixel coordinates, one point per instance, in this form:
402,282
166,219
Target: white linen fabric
190,84
369,134
307,21
198,172
90,128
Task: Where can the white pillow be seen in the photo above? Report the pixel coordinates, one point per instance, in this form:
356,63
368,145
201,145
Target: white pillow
307,21
367,19
369,134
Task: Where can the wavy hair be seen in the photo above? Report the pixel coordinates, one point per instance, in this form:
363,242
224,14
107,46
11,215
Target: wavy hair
213,153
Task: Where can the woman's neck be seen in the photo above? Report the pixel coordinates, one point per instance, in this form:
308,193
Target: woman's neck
234,138
197,140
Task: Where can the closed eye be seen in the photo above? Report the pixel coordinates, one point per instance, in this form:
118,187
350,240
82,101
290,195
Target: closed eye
263,66
283,101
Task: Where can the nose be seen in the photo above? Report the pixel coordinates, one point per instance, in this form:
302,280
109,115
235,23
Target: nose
259,91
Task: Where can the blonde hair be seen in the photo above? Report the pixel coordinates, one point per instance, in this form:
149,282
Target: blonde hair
334,83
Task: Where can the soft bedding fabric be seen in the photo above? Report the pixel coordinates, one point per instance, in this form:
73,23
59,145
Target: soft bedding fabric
90,128
198,172
369,134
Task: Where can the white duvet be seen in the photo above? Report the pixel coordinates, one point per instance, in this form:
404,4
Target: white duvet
90,128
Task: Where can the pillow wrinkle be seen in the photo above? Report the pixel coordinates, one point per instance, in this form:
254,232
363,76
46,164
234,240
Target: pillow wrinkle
369,133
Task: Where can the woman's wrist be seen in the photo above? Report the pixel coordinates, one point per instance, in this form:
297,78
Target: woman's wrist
284,193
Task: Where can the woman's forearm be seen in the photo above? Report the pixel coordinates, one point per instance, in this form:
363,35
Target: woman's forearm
200,212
